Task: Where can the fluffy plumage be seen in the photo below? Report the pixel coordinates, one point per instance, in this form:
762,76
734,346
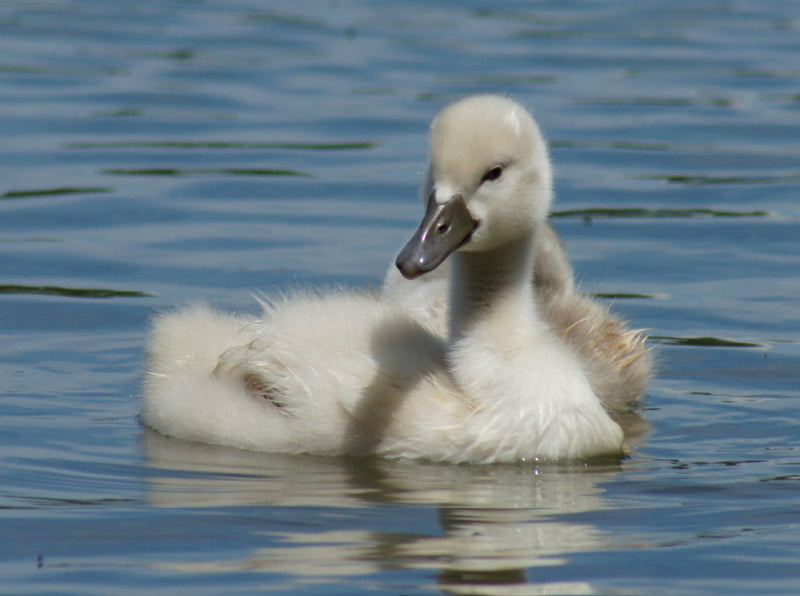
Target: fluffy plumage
617,362
356,373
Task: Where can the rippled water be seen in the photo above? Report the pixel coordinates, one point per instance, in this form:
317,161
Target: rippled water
158,152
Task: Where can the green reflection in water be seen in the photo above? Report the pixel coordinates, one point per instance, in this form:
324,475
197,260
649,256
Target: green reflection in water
658,101
48,192
73,292
79,71
500,79
639,146
700,179
623,295
205,172
223,145
657,213
708,342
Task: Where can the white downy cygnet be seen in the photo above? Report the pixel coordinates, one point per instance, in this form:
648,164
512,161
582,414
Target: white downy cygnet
344,372
616,359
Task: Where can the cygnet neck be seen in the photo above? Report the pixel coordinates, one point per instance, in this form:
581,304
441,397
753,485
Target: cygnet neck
492,290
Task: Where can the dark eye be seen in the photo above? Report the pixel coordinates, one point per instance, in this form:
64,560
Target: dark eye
493,174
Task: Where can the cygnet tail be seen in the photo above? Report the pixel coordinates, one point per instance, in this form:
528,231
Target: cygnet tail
187,396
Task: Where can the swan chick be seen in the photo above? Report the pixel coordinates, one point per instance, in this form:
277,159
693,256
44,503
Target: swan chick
352,373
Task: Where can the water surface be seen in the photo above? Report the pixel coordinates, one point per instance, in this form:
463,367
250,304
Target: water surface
156,153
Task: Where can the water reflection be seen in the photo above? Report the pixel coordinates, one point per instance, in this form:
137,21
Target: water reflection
496,523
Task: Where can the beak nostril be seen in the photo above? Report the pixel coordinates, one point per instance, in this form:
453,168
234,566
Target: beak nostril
444,229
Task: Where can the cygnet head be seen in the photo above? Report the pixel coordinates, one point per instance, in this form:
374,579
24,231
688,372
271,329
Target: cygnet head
490,181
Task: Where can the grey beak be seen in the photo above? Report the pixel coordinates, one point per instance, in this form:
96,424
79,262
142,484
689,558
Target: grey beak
445,227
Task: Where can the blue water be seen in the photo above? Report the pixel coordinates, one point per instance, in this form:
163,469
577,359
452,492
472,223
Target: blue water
154,153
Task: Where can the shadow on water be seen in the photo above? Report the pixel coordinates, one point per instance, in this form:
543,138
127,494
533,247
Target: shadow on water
495,523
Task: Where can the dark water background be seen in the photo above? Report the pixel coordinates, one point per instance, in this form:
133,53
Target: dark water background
153,153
